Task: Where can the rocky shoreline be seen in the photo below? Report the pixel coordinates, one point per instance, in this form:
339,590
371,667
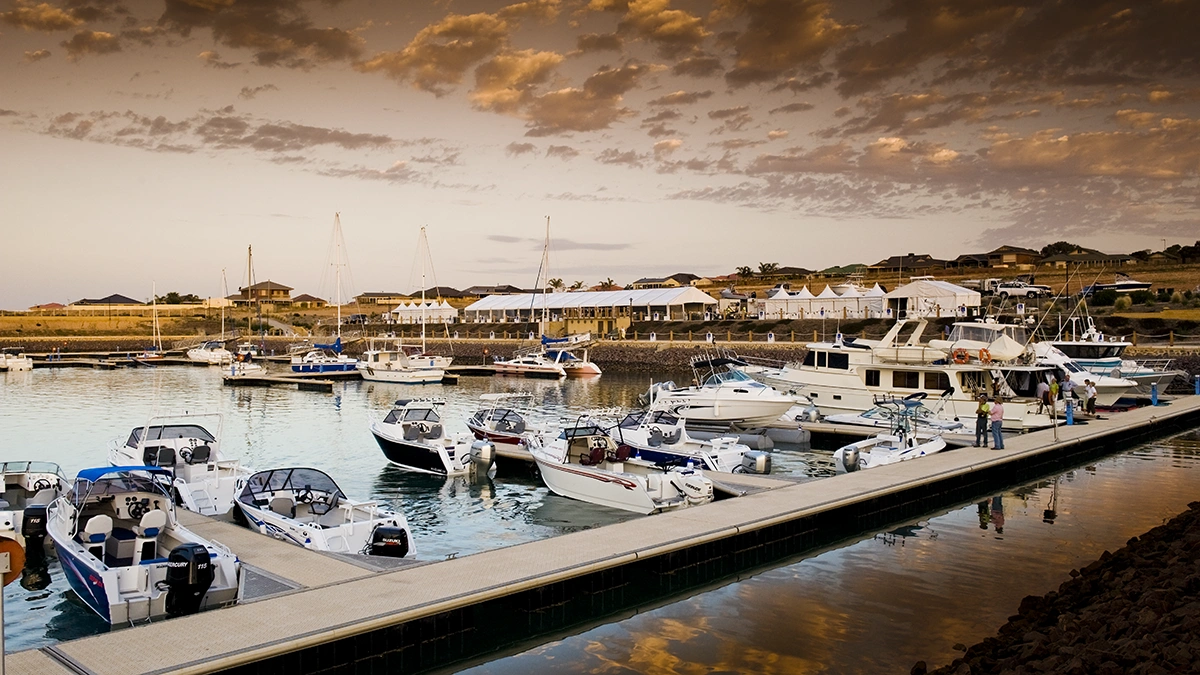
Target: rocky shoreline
1133,611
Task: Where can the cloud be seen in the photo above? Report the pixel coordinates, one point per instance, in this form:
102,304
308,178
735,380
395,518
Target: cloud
797,85
629,158
398,172
563,152
594,106
777,134
225,131
251,92
725,113
4,112
674,32
41,17
517,149
792,107
780,37
213,60
682,97
441,53
572,245
663,149
505,83
1167,150
593,42
662,116
90,42
507,239
38,55
697,66
546,10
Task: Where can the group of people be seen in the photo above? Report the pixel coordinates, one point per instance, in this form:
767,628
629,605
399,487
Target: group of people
989,413
1047,393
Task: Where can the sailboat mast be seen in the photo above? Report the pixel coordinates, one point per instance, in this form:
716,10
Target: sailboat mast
422,249
224,295
546,278
337,261
154,308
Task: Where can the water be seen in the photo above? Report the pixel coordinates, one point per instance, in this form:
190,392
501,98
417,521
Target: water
874,605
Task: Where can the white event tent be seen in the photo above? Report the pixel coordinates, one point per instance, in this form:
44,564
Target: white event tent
429,312
930,298
645,304
851,304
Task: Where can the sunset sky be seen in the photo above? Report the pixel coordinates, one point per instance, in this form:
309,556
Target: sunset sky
151,142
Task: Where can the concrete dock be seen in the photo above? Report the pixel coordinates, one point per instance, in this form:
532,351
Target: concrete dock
340,617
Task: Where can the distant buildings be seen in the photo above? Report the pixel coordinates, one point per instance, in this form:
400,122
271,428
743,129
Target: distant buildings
264,291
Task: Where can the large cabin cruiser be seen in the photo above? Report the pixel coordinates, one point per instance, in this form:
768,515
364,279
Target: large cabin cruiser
128,558
1108,389
722,393
205,481
849,376
1104,355
529,363
389,360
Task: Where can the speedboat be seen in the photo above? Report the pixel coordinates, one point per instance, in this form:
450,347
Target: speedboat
1109,389
412,437
924,418
500,424
327,358
29,487
128,558
1104,355
660,437
391,361
212,352
585,463
1121,284
204,480
898,444
14,362
305,507
723,394
529,363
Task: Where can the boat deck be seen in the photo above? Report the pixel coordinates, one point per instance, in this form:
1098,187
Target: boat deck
423,616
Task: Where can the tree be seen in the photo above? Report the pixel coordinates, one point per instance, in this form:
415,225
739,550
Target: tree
174,298
1058,248
745,271
767,268
556,284
576,286
609,285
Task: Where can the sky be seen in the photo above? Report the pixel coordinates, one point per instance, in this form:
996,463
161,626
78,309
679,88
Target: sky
147,144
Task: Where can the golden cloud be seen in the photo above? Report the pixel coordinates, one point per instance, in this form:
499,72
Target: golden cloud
780,37
41,17
505,83
90,42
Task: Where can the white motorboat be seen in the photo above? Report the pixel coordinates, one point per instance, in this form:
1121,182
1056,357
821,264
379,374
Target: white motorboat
389,360
306,507
205,481
14,362
562,352
323,358
898,444
529,362
1108,389
660,437
584,463
1104,355
723,394
212,352
127,557
924,419
29,487
500,424
413,437
1122,283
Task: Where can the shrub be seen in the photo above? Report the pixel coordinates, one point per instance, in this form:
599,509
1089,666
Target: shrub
1122,303
1141,297
1177,298
1104,298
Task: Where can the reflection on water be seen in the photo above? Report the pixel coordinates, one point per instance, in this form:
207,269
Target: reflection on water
881,604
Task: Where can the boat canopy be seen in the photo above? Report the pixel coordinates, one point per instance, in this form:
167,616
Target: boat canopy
336,346
115,480
294,478
161,432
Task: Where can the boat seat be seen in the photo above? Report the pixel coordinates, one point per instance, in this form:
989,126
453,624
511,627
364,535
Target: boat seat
621,454
158,455
411,432
656,437
3,503
593,458
673,438
284,506
323,506
95,533
145,547
199,455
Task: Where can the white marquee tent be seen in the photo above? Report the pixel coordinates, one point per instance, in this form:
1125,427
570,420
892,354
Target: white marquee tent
931,298
652,303
802,304
429,312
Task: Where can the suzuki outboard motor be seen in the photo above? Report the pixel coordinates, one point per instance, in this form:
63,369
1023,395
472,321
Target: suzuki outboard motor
189,574
33,528
389,541
756,461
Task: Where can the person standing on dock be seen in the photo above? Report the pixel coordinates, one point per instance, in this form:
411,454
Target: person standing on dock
1091,397
1043,396
981,420
997,417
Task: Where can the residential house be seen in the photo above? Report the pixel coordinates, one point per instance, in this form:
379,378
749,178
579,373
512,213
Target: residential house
48,306
306,301
1014,256
484,291
970,260
1088,257
792,272
382,298
911,262
677,280
439,292
114,299
269,292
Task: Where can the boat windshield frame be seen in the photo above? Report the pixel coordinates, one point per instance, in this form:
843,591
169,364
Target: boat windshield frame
275,480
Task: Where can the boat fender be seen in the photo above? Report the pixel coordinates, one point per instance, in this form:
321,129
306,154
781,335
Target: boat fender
850,460
189,575
389,542
33,528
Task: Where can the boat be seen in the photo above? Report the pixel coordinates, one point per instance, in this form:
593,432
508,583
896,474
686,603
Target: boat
586,464
127,557
413,437
212,352
1104,355
390,360
659,436
898,444
323,358
203,479
529,362
849,375
29,487
1122,283
1109,389
14,362
722,393
559,350
501,424
155,350
924,419
305,506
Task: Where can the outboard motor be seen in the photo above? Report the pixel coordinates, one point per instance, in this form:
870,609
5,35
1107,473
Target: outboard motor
483,455
189,574
388,541
695,488
850,459
756,461
33,528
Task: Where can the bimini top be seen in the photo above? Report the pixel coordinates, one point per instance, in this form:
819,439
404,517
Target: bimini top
651,297
92,475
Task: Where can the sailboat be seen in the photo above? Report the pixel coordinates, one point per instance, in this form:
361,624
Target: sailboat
389,360
155,350
328,358
213,352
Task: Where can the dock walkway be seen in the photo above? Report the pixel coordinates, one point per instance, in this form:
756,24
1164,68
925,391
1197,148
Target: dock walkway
347,619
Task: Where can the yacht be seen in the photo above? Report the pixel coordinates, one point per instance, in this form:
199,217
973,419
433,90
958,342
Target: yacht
212,352
306,507
585,463
127,557
389,360
722,393
1104,355
203,479
1121,283
323,358
14,362
412,437
29,487
850,375
1109,389
529,362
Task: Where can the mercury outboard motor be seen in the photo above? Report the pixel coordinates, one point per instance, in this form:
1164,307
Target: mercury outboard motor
388,541
33,528
189,574
756,461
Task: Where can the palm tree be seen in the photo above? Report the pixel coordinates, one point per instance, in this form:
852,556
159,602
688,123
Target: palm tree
767,268
576,286
556,284
745,271
609,285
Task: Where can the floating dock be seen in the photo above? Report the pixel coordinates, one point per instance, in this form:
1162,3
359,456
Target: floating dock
301,383
343,618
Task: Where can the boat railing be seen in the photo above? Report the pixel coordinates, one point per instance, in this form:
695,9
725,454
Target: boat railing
763,361
1158,364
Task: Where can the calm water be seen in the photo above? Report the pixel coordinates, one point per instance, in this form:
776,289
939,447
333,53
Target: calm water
876,605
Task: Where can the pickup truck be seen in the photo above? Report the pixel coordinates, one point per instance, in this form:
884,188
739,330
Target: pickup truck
1020,289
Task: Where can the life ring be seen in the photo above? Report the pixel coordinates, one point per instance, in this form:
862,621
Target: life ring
985,356
960,355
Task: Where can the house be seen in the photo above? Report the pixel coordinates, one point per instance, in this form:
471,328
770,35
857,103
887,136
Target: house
676,280
439,292
910,262
484,291
1013,256
792,272
843,271
114,299
306,301
1088,257
48,306
970,260
264,291
382,298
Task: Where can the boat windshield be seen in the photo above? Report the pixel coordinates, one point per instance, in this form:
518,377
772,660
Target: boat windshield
580,432
731,376
289,479
116,484
1096,350
665,418
169,431
633,420
412,415
30,467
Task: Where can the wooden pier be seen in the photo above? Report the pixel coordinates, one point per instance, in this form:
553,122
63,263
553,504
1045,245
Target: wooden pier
301,383
343,618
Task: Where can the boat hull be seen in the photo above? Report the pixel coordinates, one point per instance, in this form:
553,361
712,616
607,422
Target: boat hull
396,376
410,455
322,367
605,488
